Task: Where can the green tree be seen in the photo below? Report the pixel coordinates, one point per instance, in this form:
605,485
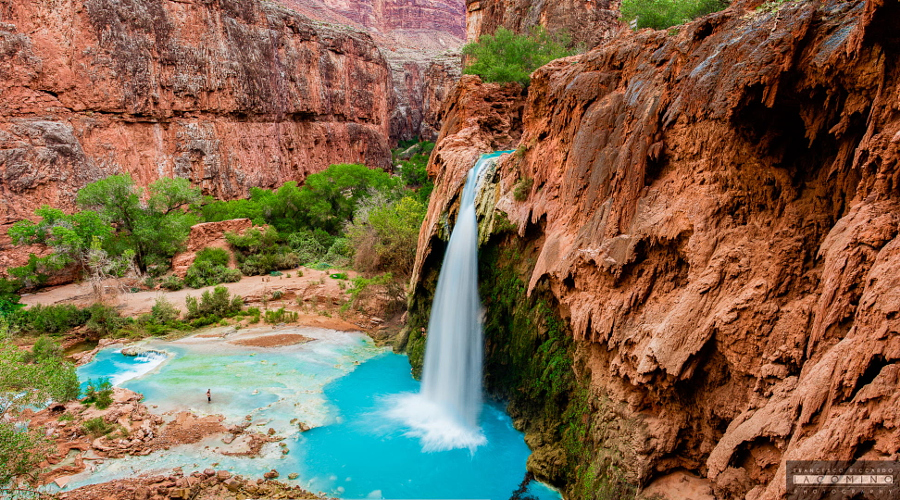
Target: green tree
329,198
508,57
384,236
326,200
69,236
155,230
661,14
28,378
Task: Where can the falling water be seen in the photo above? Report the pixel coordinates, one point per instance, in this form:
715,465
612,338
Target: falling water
445,414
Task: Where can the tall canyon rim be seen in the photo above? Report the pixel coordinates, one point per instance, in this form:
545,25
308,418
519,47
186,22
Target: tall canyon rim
229,94
710,215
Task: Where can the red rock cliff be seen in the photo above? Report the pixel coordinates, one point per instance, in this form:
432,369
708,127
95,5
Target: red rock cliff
228,94
421,41
716,213
588,22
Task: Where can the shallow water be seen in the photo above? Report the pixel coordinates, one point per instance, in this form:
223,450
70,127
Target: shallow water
341,384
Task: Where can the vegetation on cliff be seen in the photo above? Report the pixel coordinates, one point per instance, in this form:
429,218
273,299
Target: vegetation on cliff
662,14
509,57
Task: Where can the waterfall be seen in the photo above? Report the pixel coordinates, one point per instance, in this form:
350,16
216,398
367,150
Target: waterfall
445,413
451,374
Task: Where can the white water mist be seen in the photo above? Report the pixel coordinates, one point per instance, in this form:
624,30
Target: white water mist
445,413
451,374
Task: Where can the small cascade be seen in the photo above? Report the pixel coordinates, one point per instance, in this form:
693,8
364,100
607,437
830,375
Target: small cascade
445,413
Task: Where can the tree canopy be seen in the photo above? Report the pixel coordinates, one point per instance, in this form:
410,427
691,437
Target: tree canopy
508,57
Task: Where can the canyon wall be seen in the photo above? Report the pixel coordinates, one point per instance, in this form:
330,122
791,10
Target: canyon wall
711,215
420,40
588,22
225,93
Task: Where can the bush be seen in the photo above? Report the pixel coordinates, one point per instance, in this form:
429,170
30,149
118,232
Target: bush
213,255
44,349
523,188
98,392
508,57
49,319
205,273
267,263
340,253
661,14
9,296
105,320
163,311
307,246
254,314
384,236
280,316
216,303
97,427
261,252
172,282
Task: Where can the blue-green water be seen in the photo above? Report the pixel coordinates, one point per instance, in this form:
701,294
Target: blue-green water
343,386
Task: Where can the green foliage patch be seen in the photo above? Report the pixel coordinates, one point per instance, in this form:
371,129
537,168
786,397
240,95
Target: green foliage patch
29,378
662,14
384,236
212,306
281,315
509,57
99,393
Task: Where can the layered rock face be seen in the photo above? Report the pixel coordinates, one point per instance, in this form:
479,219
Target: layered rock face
420,22
421,41
715,214
588,22
228,94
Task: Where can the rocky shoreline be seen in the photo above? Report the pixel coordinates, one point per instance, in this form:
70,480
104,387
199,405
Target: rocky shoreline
131,428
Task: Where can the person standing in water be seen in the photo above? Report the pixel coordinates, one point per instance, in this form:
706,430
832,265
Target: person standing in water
208,396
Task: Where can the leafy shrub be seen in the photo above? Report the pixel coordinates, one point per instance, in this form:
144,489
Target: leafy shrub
163,311
281,315
44,349
523,188
277,294
307,246
172,282
205,273
340,253
339,276
97,427
218,302
49,319
9,297
25,384
508,57
254,314
661,14
267,263
384,236
213,255
98,392
104,320
261,252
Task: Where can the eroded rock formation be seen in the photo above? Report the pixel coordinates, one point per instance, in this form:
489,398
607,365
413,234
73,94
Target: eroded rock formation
228,94
588,22
714,213
420,40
